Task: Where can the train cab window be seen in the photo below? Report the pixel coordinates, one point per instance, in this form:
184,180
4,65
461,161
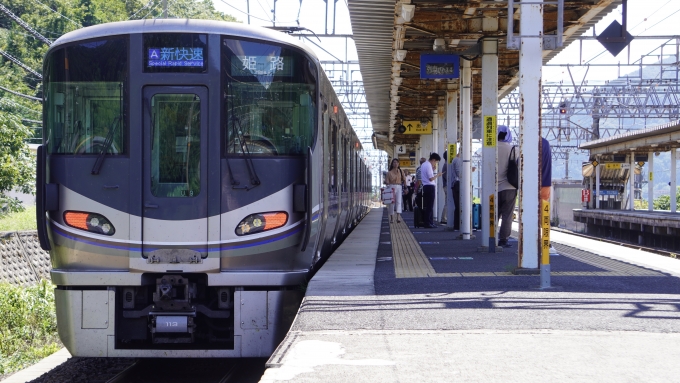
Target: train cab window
270,99
85,97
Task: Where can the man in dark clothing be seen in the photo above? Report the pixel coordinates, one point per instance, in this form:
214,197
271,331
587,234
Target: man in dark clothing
457,165
546,169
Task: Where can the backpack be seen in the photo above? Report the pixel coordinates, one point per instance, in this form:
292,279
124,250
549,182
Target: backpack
513,169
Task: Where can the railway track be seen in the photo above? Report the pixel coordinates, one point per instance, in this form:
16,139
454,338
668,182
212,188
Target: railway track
153,370
178,370
665,253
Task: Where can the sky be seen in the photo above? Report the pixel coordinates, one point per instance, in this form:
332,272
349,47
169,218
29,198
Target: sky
645,18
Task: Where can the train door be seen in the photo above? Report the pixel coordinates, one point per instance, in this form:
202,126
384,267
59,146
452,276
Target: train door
175,170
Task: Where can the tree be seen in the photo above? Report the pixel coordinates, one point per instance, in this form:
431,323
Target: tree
17,164
664,202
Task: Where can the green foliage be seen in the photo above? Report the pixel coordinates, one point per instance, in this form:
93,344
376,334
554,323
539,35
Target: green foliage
28,325
19,221
640,204
17,164
664,202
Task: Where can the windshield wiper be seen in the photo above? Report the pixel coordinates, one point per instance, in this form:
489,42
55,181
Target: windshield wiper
254,179
107,145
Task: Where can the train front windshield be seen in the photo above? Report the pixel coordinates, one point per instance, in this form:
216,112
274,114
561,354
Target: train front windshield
85,97
270,99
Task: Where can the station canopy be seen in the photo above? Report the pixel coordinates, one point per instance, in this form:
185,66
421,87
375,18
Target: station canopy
386,29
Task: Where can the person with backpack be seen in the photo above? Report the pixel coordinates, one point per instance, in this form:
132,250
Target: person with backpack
507,183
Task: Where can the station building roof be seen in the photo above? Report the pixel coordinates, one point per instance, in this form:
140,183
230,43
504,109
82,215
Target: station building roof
660,138
380,30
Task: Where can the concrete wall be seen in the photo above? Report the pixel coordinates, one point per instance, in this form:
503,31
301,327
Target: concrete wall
22,261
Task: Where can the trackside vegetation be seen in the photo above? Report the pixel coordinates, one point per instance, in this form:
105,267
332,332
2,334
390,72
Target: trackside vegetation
28,325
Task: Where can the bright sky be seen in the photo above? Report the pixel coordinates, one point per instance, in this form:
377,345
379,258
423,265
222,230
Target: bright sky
645,17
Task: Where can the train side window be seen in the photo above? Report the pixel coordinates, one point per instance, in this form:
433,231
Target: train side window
86,97
269,99
334,157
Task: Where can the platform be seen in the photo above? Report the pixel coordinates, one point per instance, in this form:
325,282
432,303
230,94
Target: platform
441,311
642,227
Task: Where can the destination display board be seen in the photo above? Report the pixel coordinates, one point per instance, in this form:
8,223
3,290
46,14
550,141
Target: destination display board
175,52
175,57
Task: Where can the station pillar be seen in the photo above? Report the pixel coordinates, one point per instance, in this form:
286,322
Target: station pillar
442,201
631,183
489,195
674,183
451,138
650,181
435,141
466,155
597,183
530,70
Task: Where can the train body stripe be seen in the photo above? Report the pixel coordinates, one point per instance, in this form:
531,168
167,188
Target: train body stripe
211,247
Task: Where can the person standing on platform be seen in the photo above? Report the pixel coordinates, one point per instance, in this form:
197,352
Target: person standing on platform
395,178
546,169
429,188
442,170
507,193
457,165
408,192
418,188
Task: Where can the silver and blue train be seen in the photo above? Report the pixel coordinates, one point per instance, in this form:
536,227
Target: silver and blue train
192,175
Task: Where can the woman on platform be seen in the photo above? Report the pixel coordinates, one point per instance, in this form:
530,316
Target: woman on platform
395,178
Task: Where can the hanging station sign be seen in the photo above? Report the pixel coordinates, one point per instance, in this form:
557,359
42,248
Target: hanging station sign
416,127
433,66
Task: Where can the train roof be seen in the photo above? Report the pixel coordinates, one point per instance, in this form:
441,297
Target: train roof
180,26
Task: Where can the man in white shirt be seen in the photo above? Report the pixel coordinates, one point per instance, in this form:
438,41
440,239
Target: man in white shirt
429,187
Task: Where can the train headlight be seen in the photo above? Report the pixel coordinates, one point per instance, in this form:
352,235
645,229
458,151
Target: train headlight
92,222
257,223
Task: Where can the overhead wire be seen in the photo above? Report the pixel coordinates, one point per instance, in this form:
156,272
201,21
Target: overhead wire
148,13
638,24
74,23
141,9
20,94
265,11
253,16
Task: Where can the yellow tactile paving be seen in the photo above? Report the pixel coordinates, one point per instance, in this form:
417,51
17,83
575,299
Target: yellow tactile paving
409,259
411,262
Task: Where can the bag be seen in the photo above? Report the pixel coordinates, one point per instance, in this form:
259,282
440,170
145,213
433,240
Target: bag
388,196
418,216
513,169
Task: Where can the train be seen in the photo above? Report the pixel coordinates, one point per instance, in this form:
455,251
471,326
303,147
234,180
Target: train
193,174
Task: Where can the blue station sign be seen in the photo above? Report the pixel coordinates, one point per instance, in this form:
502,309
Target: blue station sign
433,66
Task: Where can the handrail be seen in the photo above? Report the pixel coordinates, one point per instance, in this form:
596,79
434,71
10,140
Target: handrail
308,200
40,199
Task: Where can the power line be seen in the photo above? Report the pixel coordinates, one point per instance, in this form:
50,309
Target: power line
21,94
245,13
16,61
74,23
141,9
27,27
